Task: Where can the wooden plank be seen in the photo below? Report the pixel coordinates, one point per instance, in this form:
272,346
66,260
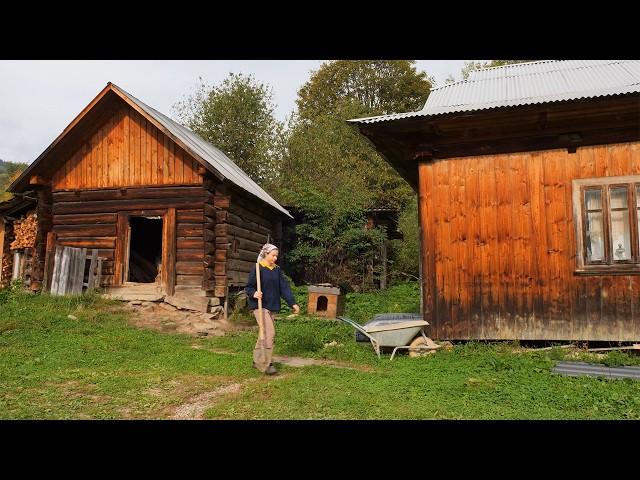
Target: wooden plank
188,279
191,255
536,325
189,216
88,218
120,248
189,268
153,132
111,206
104,242
48,262
425,209
98,230
189,230
505,205
91,281
144,165
126,147
190,243
132,193
57,269
169,255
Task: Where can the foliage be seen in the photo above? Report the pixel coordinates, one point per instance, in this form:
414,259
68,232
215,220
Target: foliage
338,174
405,253
473,65
9,171
237,117
376,86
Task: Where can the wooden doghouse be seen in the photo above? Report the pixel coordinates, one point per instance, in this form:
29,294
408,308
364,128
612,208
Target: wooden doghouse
325,300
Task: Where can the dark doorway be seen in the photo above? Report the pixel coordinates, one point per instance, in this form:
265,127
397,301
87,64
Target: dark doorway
322,304
145,249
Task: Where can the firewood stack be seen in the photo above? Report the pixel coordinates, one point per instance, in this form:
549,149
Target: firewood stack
25,232
7,258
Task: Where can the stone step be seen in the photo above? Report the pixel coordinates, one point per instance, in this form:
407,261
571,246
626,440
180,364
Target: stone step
188,302
128,297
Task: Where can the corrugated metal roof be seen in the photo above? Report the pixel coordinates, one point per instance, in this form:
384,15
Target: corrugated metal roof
207,152
527,84
576,369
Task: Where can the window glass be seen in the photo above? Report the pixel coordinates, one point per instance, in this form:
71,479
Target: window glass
620,231
595,237
593,199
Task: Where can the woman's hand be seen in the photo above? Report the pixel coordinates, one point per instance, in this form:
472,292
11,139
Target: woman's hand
296,308
257,295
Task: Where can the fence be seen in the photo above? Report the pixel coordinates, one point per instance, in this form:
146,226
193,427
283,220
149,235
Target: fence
70,273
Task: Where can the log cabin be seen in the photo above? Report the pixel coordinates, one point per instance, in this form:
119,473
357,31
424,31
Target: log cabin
528,184
171,214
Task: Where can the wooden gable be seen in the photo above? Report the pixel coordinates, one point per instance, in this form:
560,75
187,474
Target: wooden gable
125,150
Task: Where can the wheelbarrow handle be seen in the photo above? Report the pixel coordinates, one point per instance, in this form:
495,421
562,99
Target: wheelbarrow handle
359,327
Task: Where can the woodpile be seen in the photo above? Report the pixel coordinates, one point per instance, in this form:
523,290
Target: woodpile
25,232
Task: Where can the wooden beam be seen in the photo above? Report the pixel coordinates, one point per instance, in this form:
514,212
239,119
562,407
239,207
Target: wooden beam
39,180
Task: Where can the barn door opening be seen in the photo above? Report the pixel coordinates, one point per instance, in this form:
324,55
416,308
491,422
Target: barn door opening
145,250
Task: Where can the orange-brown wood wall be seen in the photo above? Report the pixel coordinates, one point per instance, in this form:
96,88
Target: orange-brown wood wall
498,244
126,150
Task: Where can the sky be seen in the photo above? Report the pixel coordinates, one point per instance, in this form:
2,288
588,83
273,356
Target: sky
38,99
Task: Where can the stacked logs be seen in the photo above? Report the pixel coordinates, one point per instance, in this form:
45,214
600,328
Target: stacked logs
25,232
215,245
7,257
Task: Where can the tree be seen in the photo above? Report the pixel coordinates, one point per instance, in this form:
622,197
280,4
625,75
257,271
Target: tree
338,174
473,65
237,117
377,86
9,171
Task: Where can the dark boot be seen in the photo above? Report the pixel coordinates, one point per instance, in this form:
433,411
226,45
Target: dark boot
271,370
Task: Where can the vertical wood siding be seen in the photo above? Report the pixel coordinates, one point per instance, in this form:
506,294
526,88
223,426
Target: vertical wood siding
126,150
499,248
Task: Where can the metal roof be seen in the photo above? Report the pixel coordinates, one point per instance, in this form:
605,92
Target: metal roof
526,84
207,152
576,369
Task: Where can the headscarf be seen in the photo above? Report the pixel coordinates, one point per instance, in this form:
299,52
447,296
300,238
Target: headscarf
266,248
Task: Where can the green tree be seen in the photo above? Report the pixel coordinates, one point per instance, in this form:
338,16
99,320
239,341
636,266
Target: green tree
237,117
475,65
9,171
377,86
338,174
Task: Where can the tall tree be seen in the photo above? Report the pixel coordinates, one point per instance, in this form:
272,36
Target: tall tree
338,174
237,117
377,86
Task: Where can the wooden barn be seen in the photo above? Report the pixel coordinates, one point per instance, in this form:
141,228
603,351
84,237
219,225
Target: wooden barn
170,213
528,178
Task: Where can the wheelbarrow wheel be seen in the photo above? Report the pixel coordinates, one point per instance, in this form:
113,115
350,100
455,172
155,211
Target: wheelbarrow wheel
417,348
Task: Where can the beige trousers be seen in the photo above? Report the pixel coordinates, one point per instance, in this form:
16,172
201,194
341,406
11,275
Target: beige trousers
269,328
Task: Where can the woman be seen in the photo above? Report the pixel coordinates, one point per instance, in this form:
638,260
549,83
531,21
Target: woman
274,286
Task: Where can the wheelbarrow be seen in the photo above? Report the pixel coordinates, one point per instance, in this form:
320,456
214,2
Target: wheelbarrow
400,331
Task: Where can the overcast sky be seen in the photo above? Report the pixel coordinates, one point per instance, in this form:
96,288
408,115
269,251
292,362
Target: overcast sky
38,99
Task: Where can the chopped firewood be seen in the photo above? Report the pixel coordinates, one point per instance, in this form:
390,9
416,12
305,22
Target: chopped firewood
25,232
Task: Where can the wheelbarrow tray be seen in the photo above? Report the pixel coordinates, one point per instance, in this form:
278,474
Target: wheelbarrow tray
386,319
396,334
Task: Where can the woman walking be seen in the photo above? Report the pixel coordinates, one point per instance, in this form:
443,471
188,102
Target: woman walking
273,286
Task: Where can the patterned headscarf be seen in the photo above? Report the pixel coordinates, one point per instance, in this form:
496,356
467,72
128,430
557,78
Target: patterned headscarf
266,248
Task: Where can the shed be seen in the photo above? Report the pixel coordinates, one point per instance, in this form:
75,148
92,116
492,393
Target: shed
528,181
169,212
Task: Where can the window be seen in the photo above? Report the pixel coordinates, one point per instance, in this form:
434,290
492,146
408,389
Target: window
607,218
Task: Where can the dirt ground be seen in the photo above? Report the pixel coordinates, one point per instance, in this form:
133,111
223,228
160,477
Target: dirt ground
167,318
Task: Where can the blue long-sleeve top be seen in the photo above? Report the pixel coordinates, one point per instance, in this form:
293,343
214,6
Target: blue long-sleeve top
273,284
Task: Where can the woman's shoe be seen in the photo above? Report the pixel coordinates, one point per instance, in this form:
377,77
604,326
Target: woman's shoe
271,370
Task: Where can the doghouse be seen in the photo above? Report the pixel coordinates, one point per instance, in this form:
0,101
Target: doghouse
325,300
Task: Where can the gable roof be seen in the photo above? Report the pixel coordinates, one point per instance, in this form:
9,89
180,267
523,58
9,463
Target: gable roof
526,84
205,153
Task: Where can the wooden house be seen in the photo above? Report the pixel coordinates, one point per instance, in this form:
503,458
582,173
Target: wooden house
170,213
528,180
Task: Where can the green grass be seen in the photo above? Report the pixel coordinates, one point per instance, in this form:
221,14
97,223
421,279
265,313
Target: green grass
99,366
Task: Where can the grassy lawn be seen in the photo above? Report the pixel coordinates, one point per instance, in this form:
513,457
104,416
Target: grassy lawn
98,366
